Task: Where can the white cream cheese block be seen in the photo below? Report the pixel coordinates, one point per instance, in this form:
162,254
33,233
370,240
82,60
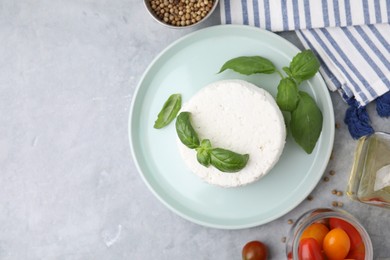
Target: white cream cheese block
241,117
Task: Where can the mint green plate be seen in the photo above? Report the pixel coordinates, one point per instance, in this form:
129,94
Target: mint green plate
186,66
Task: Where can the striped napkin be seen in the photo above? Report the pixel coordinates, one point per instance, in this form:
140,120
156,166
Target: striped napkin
351,38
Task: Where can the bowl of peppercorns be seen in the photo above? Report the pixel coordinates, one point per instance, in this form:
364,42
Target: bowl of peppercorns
180,13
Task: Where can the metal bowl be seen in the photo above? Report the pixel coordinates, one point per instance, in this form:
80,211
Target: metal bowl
160,21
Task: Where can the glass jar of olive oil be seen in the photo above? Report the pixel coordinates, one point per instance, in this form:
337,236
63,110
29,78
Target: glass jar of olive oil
369,181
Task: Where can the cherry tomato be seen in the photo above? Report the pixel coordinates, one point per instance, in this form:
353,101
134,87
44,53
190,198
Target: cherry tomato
336,244
357,250
358,253
309,249
317,231
254,250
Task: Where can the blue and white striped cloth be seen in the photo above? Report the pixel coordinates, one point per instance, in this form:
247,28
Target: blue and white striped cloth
351,38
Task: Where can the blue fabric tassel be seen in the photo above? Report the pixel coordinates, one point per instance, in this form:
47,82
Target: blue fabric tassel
357,120
383,105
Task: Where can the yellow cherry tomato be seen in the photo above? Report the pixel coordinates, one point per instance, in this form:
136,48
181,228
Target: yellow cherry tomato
317,231
336,244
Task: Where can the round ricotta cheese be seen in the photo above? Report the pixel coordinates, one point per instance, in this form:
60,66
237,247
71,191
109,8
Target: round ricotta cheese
241,117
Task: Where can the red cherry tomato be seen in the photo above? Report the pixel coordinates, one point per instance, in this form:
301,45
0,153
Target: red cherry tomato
336,244
309,249
357,250
317,231
358,253
254,250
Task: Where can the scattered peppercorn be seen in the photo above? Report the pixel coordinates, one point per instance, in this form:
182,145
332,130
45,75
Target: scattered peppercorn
326,178
337,125
337,192
310,197
290,221
337,204
283,239
332,172
181,12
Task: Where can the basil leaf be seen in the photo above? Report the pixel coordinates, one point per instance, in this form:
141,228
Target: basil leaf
306,122
228,161
248,65
288,71
287,97
169,111
203,152
304,66
185,131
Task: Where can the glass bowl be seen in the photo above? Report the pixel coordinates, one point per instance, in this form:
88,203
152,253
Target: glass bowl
369,181
321,215
195,17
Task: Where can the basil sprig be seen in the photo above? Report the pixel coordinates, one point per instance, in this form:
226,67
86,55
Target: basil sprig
169,111
306,117
222,159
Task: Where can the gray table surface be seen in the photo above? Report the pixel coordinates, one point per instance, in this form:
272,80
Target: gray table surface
69,186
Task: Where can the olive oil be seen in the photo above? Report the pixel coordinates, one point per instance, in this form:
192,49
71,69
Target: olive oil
370,176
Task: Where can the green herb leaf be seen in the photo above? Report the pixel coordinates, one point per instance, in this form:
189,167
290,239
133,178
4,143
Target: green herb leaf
306,122
169,111
228,161
248,65
304,66
223,160
203,152
288,71
287,97
185,131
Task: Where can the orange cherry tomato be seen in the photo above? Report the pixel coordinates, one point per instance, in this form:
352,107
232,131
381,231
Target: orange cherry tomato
309,249
317,231
336,244
357,250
